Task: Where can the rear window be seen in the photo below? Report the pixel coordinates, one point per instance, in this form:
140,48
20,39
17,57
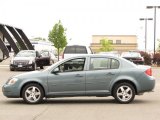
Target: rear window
75,49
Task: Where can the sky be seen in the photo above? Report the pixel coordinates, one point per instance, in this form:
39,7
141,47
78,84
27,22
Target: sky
83,18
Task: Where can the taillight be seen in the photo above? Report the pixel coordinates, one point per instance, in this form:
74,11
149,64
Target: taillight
149,72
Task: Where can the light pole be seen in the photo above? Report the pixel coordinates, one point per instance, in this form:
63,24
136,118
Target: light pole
145,19
154,7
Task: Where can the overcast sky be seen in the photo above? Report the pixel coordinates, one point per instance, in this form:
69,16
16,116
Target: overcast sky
82,18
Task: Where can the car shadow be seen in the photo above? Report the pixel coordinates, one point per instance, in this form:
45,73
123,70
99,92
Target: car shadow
76,101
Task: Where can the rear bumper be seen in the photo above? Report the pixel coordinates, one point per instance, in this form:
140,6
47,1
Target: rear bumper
148,85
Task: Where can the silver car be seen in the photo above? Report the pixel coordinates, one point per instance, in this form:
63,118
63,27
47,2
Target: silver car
86,75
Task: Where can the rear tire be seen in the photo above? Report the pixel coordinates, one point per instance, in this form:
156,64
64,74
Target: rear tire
32,93
124,93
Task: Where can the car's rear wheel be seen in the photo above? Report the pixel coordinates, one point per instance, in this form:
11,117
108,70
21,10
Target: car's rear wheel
32,93
124,93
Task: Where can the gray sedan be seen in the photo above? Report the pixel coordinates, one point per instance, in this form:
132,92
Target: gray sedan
87,75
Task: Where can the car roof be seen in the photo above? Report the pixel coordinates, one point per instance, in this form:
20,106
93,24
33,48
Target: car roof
94,55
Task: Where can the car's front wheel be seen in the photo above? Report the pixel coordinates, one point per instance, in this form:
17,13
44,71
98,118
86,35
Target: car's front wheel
124,93
12,69
32,93
34,66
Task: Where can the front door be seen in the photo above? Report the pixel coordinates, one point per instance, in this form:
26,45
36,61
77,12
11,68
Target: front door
69,80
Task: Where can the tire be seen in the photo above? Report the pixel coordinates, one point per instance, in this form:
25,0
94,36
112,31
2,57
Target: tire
124,93
11,69
41,67
34,66
32,93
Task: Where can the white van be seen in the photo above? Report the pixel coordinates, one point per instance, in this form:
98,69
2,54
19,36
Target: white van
74,50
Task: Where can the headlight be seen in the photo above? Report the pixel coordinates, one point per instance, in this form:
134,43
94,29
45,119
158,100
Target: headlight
30,62
12,81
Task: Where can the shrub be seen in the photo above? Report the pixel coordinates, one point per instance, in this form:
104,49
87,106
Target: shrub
157,58
147,58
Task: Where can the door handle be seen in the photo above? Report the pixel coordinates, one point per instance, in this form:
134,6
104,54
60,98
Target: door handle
110,73
78,75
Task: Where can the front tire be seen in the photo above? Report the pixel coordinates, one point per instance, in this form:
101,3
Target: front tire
12,69
41,67
32,93
124,93
34,66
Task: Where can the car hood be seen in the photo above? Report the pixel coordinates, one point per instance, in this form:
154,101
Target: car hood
28,75
23,58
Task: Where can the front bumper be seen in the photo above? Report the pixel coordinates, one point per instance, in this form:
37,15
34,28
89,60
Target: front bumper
21,66
10,91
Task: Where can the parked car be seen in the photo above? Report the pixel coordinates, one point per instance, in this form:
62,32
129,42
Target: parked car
134,57
45,55
112,53
86,75
54,58
48,57
74,50
28,59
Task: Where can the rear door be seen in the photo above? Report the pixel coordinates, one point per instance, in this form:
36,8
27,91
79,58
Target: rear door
101,72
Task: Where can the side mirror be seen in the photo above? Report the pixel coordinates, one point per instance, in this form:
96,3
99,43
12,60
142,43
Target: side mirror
55,71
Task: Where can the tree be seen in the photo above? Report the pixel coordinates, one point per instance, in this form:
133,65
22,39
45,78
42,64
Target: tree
58,37
106,45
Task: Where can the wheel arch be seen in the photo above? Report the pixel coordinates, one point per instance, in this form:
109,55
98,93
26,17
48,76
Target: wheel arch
124,81
32,82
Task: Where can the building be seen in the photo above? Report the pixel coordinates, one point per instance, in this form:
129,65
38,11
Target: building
120,43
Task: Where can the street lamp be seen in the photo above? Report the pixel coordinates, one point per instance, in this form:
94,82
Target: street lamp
145,19
154,7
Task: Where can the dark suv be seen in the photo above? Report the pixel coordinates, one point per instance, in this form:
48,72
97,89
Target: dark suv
28,59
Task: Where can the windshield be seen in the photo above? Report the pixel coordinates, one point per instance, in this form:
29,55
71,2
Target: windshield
26,54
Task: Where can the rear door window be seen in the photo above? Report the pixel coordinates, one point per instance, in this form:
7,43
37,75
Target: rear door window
103,63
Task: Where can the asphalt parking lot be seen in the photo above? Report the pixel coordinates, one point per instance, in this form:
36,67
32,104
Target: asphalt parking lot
145,107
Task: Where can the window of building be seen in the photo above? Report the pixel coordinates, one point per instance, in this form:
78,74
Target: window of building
118,41
110,41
